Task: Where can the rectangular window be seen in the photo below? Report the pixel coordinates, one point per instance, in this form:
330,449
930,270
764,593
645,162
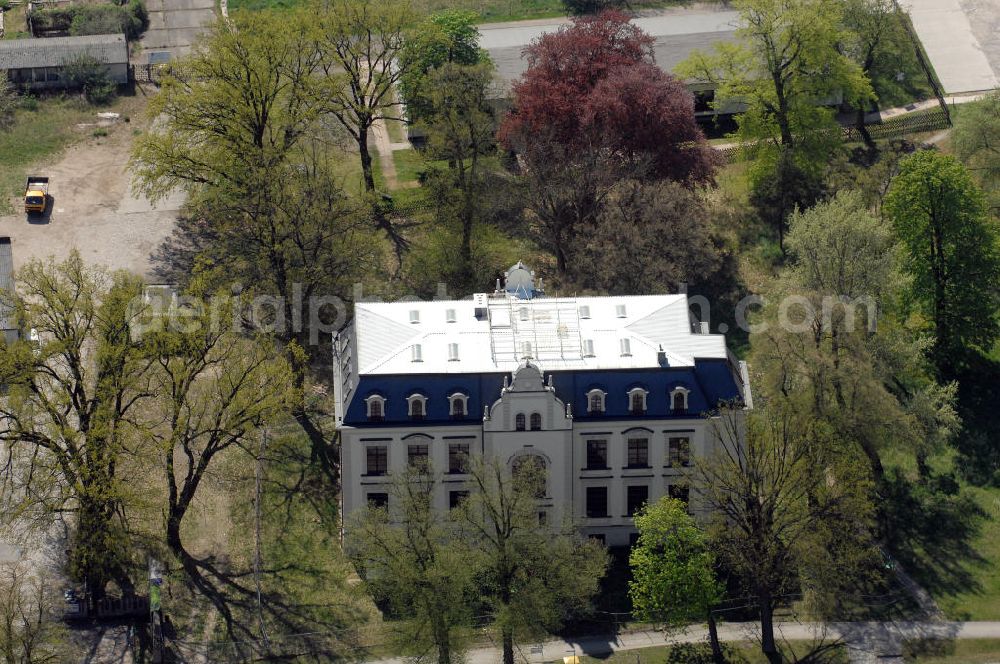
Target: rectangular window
678,451
418,456
597,454
638,453
455,498
636,497
597,502
679,492
458,458
453,352
378,500
588,348
378,460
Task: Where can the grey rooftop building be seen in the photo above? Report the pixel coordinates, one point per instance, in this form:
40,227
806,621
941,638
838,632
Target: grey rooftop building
39,63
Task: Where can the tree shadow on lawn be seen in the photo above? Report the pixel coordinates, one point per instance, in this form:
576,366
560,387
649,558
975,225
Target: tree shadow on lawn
930,526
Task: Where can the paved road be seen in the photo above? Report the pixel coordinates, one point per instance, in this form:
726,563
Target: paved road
947,33
174,25
880,642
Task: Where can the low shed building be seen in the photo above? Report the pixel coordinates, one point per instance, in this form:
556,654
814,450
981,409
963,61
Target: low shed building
39,63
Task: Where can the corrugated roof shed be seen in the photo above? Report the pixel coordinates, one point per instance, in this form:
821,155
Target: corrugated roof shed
57,51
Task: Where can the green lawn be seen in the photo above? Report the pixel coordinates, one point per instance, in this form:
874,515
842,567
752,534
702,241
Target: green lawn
983,602
968,651
409,165
739,653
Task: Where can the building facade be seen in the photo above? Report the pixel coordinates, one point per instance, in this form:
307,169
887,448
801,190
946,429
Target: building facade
609,394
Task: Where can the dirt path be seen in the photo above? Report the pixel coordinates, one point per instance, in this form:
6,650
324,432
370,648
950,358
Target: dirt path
92,209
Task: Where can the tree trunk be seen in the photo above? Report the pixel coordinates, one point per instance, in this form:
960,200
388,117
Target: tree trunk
713,639
767,644
442,640
859,124
508,645
366,158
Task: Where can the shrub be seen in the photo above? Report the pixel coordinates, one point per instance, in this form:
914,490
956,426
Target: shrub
8,102
87,74
131,18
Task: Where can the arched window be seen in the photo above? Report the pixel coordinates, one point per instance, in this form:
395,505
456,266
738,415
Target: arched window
376,408
637,401
458,405
519,422
417,406
679,400
529,471
536,421
595,402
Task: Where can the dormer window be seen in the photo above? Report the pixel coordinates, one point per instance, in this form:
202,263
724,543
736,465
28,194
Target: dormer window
536,421
376,408
526,349
519,422
620,311
595,402
449,315
417,406
637,401
679,400
416,353
625,346
584,311
588,348
458,405
453,352
414,315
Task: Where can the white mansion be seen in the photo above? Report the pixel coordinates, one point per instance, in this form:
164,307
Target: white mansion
608,392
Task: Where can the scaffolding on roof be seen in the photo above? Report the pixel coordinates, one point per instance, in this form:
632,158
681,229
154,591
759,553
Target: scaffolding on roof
539,329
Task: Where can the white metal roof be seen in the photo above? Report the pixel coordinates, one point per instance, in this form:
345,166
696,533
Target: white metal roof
557,334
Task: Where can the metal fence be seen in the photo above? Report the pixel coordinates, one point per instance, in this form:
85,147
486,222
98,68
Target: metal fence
897,127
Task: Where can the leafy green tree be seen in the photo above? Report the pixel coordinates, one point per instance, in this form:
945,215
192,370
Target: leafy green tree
786,62
88,75
530,575
460,129
787,514
241,130
361,42
234,110
446,37
976,138
874,36
411,559
216,389
952,254
673,575
29,632
71,406
834,349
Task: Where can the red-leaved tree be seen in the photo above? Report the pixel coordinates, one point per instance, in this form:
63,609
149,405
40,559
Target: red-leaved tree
595,85
591,110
